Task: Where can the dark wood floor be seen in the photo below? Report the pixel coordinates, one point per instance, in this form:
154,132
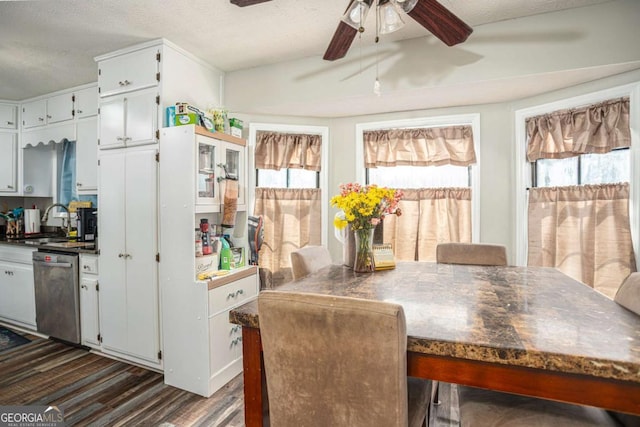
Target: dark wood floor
97,391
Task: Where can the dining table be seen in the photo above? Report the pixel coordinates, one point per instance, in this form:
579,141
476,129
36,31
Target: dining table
527,330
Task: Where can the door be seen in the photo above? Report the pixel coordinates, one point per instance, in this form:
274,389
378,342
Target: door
129,72
8,162
16,281
87,155
233,157
86,102
128,267
141,117
89,311
34,113
8,116
112,122
60,108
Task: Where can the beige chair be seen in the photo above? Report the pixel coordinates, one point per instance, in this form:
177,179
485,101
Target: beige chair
628,294
337,361
471,254
309,259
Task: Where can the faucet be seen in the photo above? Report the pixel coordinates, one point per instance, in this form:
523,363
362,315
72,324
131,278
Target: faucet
45,217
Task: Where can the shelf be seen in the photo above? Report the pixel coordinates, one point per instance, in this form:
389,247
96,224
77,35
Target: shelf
220,135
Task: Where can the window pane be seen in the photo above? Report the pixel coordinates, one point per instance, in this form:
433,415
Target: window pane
272,178
557,172
420,176
300,178
605,168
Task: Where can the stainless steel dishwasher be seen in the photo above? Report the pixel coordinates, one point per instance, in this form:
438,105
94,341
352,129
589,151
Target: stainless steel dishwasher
57,295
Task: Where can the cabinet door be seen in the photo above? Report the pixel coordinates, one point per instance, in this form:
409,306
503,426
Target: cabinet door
87,155
18,300
141,119
128,267
8,162
86,102
113,295
34,113
89,323
128,72
60,108
141,217
8,116
112,122
207,185
233,158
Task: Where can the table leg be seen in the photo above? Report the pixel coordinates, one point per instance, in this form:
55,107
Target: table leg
253,376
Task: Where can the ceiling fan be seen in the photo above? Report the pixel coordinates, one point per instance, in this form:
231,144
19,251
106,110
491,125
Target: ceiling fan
433,16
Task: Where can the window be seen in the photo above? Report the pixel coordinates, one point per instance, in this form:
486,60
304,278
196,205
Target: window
287,178
420,176
585,169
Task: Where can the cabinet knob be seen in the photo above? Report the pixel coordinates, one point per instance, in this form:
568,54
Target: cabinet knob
84,286
48,116
127,82
79,111
85,267
120,255
78,184
41,119
10,123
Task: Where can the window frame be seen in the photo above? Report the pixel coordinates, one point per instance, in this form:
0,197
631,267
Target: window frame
425,122
523,169
322,179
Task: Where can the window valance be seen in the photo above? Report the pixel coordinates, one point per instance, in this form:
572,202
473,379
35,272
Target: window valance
452,145
597,128
275,150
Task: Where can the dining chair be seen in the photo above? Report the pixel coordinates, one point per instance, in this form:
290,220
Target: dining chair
471,254
487,408
309,259
628,294
337,361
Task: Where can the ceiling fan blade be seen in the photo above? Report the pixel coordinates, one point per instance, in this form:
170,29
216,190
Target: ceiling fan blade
340,43
243,3
440,21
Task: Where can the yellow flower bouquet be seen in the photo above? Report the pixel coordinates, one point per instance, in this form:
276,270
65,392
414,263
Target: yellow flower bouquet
364,207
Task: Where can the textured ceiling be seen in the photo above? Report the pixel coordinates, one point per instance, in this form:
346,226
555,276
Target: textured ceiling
50,45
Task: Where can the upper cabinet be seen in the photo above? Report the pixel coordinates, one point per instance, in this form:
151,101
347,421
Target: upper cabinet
48,111
8,162
128,72
129,119
86,102
8,116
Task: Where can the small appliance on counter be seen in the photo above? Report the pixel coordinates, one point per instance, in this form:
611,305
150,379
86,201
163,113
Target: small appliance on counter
87,224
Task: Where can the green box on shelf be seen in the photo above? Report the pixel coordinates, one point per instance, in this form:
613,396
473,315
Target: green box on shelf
187,119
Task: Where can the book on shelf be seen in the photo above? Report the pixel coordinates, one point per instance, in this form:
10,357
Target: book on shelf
383,256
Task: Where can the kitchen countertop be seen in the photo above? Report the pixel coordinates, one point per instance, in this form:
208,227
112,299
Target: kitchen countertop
68,246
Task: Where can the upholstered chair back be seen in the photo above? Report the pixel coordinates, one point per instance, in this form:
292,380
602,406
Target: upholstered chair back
628,294
334,361
309,259
471,254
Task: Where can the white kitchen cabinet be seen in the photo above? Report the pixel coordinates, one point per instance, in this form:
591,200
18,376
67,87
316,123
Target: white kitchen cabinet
129,120
17,304
41,112
202,350
87,156
89,297
8,162
129,318
129,72
85,102
8,116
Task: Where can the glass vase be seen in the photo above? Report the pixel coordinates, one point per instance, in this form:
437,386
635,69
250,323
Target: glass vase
364,252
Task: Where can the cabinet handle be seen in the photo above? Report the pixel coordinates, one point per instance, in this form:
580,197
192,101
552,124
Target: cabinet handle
10,186
10,123
48,116
127,82
79,111
84,286
78,184
120,255
41,119
239,292
119,138
127,138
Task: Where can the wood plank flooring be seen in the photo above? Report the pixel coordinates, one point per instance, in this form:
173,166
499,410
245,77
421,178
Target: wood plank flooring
94,390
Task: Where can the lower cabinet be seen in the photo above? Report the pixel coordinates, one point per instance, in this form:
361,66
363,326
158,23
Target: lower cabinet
17,297
202,350
89,299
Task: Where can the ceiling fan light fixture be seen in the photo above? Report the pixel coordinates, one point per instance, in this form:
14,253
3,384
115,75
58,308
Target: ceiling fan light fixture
406,5
356,14
389,19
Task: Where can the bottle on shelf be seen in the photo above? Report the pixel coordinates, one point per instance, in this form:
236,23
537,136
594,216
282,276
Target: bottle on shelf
198,242
206,238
